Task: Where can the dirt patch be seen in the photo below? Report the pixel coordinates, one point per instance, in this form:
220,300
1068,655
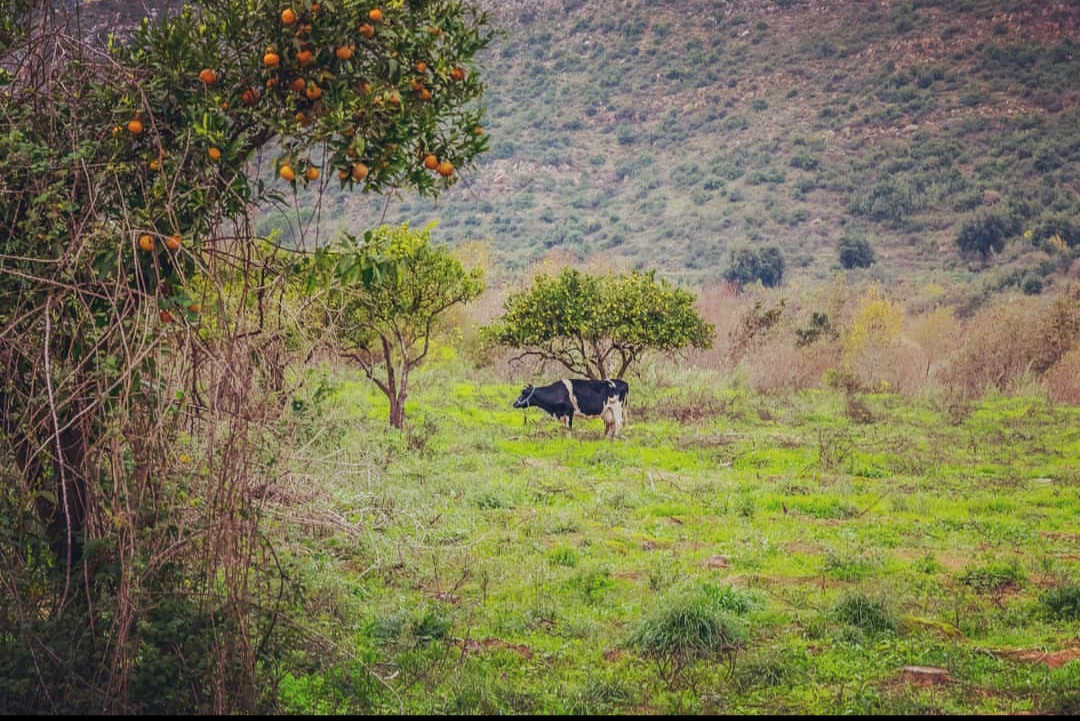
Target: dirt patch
1053,659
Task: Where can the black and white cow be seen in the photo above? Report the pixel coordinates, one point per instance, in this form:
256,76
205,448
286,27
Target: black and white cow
577,397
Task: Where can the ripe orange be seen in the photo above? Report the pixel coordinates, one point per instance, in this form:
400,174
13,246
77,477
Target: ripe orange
375,15
249,96
298,84
425,94
146,242
478,130
305,57
155,164
344,52
343,174
446,168
134,126
431,162
312,173
367,31
359,171
421,67
287,173
214,153
194,308
208,76
288,16
457,73
313,92
271,59
173,242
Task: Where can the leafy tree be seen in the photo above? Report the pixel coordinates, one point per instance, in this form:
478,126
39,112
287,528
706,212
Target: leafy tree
130,284
749,266
855,253
983,235
386,292
593,325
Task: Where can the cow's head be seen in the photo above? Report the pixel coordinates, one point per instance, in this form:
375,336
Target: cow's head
526,396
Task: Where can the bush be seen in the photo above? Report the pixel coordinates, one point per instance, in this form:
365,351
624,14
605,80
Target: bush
983,235
855,253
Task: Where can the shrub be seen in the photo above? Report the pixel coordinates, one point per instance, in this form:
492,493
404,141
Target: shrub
983,235
855,253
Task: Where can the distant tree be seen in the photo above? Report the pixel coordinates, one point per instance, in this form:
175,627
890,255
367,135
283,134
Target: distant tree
855,253
983,235
749,266
596,325
385,292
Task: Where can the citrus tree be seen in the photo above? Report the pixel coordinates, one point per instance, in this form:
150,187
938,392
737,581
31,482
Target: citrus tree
385,294
598,326
131,287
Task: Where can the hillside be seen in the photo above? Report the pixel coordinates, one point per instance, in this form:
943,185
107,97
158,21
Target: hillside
665,136
641,135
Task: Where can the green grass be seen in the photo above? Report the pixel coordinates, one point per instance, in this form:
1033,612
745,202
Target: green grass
724,564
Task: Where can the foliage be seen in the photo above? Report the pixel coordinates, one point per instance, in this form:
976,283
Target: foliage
598,326
983,235
855,253
145,351
704,625
384,295
750,265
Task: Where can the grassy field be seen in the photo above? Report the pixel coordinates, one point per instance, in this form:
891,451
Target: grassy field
808,552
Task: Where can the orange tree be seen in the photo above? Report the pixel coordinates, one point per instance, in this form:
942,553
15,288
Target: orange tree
598,326
385,292
127,176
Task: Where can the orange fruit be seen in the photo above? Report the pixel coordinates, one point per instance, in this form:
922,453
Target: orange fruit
134,126
288,16
421,67
367,31
375,15
457,73
446,168
313,92
173,242
208,76
305,57
155,164
287,173
425,94
312,173
271,59
431,162
298,84
249,96
343,174
146,242
214,153
194,307
359,171
344,52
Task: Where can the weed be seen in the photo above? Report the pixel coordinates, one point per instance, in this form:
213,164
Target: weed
869,615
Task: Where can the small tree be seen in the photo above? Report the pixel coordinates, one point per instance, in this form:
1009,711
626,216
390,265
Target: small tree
593,325
983,235
748,266
855,253
384,295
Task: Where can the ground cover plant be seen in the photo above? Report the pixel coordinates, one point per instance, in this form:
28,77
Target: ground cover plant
770,555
